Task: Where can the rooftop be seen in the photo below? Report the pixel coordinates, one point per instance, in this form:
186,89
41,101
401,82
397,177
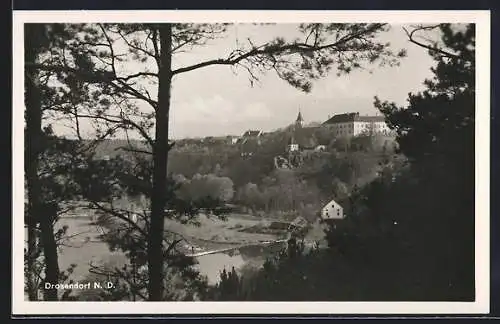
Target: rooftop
352,117
252,133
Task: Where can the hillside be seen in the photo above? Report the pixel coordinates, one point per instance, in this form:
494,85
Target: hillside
205,155
245,172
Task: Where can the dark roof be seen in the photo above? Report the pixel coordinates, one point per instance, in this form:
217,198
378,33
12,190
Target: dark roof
370,119
351,117
342,202
250,133
299,117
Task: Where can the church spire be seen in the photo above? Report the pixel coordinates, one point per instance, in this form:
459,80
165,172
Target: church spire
299,121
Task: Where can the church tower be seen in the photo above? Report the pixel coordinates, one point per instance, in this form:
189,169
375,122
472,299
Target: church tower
299,122
293,146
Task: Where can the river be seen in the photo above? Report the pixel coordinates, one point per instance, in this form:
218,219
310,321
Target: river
211,265
85,247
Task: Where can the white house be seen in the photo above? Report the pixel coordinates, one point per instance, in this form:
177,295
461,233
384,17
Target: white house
332,210
352,124
293,147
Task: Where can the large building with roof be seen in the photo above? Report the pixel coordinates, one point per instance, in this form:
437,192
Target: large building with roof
353,124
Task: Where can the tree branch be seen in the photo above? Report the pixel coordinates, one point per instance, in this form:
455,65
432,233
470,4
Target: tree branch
138,48
274,50
120,216
96,77
172,245
134,150
122,120
429,47
136,75
110,45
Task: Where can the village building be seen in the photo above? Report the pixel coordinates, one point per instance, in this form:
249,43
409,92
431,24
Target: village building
320,148
249,142
353,124
233,139
252,134
332,210
292,145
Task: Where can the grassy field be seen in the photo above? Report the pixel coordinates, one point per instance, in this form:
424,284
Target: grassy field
216,230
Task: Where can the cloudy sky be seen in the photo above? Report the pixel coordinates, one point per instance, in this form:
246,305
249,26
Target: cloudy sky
217,100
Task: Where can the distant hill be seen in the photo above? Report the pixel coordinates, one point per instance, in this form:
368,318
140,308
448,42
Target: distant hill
114,147
219,155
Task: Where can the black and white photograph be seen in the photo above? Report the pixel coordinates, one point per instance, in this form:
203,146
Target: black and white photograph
220,162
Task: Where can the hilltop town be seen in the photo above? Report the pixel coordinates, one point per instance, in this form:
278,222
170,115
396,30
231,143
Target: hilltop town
340,132
293,171
302,137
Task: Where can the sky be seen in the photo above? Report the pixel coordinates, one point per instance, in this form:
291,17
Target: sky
218,101
214,101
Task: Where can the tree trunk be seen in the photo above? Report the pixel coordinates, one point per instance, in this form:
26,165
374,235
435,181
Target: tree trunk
49,247
33,124
160,159
34,35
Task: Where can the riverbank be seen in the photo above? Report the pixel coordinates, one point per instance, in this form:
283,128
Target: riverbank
84,247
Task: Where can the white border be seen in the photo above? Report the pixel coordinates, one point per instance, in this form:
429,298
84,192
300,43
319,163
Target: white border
480,306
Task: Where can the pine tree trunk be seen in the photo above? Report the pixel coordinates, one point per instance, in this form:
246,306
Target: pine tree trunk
160,159
34,34
49,247
33,124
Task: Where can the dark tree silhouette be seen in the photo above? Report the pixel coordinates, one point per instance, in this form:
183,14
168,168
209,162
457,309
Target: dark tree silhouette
48,159
33,43
409,234
436,133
